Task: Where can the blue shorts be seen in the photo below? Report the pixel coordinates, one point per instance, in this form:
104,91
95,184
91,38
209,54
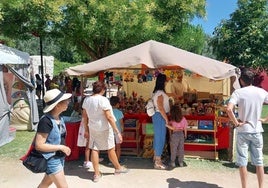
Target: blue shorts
252,143
54,165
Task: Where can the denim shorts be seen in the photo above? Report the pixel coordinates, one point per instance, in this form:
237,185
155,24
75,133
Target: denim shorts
252,143
54,165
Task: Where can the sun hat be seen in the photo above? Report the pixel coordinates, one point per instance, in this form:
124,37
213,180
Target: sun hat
87,91
53,97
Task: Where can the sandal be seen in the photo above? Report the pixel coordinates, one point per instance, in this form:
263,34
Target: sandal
96,178
123,169
160,166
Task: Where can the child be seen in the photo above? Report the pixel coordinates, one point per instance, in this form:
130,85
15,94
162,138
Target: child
178,126
83,137
115,101
83,142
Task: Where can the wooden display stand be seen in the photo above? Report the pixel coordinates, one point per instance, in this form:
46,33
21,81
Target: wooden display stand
131,140
199,152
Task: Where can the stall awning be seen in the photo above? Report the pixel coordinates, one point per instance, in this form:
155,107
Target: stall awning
154,55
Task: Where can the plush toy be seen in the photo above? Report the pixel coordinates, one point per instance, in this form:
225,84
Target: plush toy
140,78
148,151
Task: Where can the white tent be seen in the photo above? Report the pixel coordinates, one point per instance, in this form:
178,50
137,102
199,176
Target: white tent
155,54
17,63
12,56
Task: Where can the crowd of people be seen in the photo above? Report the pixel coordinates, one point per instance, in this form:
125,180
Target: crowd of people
62,82
102,121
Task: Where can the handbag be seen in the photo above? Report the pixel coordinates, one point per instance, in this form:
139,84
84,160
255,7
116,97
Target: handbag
150,108
35,162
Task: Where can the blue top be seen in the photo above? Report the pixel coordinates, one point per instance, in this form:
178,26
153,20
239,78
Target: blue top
118,114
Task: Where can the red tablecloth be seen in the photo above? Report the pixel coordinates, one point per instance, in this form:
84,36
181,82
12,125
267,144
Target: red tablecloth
71,140
73,128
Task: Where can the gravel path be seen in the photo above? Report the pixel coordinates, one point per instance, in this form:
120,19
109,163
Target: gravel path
14,175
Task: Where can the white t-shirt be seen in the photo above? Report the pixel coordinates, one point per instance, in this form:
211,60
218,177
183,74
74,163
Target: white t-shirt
95,106
250,101
165,99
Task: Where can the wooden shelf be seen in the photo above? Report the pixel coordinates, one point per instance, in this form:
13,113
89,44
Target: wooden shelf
213,154
201,130
202,154
202,144
135,139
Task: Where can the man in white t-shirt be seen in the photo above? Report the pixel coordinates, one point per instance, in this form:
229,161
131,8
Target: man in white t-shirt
249,100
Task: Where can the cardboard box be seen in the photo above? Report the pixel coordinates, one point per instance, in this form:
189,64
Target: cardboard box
206,124
192,124
130,122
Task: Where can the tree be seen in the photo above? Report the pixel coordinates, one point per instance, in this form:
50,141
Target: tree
100,28
242,40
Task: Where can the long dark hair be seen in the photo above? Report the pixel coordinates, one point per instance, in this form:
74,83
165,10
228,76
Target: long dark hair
176,113
160,82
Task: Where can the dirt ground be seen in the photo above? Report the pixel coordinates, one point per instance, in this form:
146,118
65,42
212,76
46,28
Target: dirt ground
14,175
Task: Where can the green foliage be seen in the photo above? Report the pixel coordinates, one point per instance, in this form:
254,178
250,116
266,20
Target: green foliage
61,66
100,28
242,40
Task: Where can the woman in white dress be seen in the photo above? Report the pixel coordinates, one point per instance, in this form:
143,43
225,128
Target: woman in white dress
98,115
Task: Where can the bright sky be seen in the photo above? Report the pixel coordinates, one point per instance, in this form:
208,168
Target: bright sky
216,11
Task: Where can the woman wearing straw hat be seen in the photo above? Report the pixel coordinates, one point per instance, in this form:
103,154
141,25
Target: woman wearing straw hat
50,138
98,115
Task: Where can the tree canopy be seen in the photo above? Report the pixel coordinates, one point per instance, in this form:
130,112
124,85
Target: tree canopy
100,28
243,39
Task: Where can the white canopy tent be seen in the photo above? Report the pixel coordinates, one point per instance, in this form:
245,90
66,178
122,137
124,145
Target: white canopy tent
16,62
12,56
154,55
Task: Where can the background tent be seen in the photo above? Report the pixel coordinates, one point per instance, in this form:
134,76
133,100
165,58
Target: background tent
154,55
17,63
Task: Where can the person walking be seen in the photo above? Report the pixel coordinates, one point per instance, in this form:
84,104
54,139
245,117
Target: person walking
38,82
50,138
98,115
48,82
160,119
249,100
178,126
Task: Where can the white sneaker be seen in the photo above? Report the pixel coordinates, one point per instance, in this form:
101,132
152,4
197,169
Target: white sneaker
87,164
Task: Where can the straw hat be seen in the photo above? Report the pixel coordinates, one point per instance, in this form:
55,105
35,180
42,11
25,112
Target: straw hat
53,97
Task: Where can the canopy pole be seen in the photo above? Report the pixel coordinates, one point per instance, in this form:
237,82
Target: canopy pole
42,69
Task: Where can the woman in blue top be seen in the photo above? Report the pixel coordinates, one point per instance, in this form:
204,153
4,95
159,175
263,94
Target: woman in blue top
50,138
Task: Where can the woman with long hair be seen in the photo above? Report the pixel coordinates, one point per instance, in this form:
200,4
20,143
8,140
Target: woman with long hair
160,119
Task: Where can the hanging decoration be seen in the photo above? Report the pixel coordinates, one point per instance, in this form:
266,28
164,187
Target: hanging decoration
188,72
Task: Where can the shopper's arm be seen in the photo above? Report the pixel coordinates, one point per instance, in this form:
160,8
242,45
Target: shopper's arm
85,122
231,115
160,105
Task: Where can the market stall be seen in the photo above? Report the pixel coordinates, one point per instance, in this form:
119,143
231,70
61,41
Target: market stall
15,90
133,72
